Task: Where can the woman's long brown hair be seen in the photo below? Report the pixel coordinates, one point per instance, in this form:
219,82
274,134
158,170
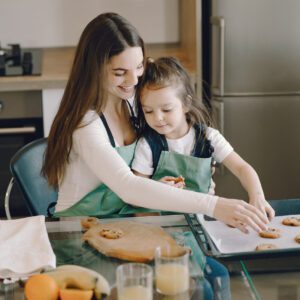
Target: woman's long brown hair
105,36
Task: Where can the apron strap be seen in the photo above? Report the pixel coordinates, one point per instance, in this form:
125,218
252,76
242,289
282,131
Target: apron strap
130,108
157,143
203,147
133,118
110,136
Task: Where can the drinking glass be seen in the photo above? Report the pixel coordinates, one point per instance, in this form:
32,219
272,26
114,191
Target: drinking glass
134,281
172,276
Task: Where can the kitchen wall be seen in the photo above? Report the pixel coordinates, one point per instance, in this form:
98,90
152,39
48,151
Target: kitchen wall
51,23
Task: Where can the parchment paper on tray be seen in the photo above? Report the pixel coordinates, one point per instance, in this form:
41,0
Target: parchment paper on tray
231,240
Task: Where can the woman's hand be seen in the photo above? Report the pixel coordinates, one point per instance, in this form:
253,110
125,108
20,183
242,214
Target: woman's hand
240,214
263,206
174,181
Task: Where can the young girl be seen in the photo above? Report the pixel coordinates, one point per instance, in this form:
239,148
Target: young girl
177,139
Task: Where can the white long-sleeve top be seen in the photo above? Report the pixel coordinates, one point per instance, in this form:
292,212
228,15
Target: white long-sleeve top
94,161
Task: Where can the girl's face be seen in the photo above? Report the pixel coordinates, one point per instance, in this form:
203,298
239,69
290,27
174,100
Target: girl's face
164,111
124,70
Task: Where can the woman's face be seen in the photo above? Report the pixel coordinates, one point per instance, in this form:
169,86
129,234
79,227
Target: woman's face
124,70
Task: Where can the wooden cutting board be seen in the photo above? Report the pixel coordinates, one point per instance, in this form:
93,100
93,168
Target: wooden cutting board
131,241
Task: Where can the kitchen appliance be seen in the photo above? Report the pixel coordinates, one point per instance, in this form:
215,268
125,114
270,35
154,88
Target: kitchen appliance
254,71
21,122
17,61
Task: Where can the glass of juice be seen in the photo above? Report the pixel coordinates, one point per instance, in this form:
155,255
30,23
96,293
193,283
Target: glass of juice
172,276
134,282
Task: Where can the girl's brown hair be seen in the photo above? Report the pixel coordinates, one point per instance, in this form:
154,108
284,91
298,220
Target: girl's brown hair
104,37
164,72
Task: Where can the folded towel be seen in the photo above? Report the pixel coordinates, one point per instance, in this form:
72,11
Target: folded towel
24,247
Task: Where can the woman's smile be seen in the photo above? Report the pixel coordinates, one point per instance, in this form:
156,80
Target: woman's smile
127,89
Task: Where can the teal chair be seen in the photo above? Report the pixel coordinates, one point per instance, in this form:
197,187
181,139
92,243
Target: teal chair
25,167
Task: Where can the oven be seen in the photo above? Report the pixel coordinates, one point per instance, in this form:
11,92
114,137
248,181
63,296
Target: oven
21,122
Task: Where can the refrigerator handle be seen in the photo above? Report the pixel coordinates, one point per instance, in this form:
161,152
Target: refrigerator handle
218,113
218,117
218,87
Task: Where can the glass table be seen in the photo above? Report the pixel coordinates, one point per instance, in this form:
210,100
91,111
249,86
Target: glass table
277,283
65,237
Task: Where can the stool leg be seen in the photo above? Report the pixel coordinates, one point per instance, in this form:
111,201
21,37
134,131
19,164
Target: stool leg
6,200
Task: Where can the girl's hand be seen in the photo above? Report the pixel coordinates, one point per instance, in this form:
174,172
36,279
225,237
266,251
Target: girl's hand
173,181
263,206
240,214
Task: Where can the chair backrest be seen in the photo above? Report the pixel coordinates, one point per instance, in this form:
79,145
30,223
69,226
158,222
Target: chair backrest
25,167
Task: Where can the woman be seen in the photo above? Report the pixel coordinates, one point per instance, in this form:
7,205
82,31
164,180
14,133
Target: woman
92,139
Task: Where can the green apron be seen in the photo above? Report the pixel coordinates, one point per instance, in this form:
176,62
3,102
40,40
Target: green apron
195,170
102,200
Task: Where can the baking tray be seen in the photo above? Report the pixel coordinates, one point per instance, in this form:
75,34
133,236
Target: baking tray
257,261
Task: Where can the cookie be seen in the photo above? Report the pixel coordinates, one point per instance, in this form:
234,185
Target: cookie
297,238
177,180
270,233
111,234
264,247
291,221
87,223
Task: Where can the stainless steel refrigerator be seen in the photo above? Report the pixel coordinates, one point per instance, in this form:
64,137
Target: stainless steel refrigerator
255,90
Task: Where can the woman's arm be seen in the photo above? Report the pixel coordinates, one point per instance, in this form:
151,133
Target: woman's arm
104,161
250,181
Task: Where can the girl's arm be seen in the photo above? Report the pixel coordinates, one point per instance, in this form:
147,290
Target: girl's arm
250,181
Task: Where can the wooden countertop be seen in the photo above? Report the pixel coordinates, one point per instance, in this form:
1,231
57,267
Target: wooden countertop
57,63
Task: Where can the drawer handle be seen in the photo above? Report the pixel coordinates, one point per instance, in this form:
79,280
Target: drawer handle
17,130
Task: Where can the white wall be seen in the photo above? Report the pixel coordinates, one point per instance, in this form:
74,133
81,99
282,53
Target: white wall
50,23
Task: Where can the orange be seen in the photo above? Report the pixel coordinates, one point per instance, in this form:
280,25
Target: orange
41,287
73,294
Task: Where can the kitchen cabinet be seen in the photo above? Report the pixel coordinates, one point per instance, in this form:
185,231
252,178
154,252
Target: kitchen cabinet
55,69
